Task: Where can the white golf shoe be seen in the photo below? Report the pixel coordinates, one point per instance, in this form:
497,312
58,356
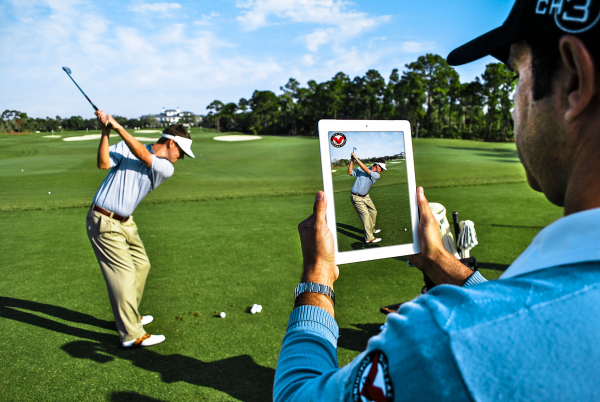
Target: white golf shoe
377,231
144,341
375,240
147,319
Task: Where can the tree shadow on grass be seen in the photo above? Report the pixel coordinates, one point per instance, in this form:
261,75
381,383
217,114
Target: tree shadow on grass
363,246
131,397
238,376
349,234
11,308
357,339
492,152
350,227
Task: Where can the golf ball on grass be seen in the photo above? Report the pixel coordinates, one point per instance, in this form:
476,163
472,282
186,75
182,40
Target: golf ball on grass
222,315
256,308
49,192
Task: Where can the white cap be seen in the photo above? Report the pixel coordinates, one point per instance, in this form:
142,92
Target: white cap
184,143
381,164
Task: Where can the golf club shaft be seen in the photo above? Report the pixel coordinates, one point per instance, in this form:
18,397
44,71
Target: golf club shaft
86,97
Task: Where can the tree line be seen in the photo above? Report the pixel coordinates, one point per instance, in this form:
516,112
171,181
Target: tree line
16,121
428,93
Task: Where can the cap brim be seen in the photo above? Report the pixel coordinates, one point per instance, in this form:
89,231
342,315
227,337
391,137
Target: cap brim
494,43
186,145
188,152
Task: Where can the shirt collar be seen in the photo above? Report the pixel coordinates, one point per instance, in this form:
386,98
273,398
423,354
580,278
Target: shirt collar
570,240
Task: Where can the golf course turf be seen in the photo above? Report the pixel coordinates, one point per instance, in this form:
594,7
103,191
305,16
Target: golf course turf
221,235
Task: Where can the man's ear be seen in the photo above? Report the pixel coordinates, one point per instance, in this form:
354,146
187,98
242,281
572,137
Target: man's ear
581,85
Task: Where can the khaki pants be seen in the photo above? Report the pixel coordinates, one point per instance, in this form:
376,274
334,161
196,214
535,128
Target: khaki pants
367,213
125,265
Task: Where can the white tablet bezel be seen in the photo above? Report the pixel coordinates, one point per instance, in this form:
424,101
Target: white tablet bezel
325,127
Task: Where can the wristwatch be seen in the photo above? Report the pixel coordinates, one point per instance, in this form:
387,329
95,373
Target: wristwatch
312,287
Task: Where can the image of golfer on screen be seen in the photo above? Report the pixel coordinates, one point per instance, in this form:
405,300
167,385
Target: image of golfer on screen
135,170
359,195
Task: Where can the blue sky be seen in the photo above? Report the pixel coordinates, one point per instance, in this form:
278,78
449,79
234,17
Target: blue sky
368,144
135,57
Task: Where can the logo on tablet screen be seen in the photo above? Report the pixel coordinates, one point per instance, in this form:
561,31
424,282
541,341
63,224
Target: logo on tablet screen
338,140
373,382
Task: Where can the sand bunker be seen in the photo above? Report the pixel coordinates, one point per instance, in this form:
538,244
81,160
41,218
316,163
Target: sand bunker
395,162
231,138
51,136
97,137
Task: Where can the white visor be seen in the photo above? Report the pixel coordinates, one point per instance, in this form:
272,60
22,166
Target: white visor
184,143
381,164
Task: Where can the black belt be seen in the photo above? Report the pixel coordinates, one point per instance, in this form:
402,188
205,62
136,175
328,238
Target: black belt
109,214
359,194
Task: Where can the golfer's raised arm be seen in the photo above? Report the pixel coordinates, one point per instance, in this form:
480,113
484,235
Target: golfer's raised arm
362,165
136,147
350,166
103,158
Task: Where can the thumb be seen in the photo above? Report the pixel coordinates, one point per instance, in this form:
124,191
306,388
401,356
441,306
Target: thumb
424,207
320,208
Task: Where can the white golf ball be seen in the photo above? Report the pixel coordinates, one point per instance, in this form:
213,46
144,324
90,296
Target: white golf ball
222,315
21,170
49,192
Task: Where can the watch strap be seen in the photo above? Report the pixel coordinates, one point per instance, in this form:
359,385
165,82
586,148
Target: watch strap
312,287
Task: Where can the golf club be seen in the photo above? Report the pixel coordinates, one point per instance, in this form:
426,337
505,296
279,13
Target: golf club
68,71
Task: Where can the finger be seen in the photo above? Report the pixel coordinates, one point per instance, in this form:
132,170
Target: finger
320,208
424,207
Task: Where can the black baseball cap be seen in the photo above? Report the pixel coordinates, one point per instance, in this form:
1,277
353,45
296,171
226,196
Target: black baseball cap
534,19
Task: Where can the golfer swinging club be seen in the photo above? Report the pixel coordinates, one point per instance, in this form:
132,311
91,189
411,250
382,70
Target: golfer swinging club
360,197
135,170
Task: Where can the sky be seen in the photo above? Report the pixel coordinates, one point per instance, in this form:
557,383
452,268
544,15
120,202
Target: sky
368,145
134,57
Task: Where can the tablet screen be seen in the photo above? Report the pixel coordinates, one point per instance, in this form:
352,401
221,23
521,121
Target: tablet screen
372,207
369,181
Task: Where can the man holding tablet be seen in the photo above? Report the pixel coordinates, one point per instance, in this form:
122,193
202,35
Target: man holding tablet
359,195
135,170
531,335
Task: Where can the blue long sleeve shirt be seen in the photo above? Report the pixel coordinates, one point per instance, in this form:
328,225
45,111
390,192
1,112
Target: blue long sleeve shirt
532,335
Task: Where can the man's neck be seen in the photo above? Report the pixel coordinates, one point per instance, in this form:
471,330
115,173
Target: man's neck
583,189
159,150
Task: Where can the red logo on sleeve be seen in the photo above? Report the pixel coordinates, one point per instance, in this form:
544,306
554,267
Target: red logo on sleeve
373,382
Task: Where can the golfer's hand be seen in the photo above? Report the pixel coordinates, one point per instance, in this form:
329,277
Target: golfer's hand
441,266
103,119
112,122
352,156
317,246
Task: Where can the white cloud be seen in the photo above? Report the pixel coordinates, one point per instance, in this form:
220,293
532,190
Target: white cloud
345,23
417,47
207,19
160,8
126,69
308,59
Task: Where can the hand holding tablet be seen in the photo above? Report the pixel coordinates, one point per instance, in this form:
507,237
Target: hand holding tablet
369,180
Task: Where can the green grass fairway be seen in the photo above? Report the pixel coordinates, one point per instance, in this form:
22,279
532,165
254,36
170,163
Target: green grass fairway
221,236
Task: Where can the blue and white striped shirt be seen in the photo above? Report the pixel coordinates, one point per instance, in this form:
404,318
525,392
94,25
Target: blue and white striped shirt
364,181
129,180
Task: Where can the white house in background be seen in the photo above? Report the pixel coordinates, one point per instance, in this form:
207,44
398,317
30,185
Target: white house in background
172,116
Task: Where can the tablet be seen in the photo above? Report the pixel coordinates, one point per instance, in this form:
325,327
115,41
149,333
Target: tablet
371,199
